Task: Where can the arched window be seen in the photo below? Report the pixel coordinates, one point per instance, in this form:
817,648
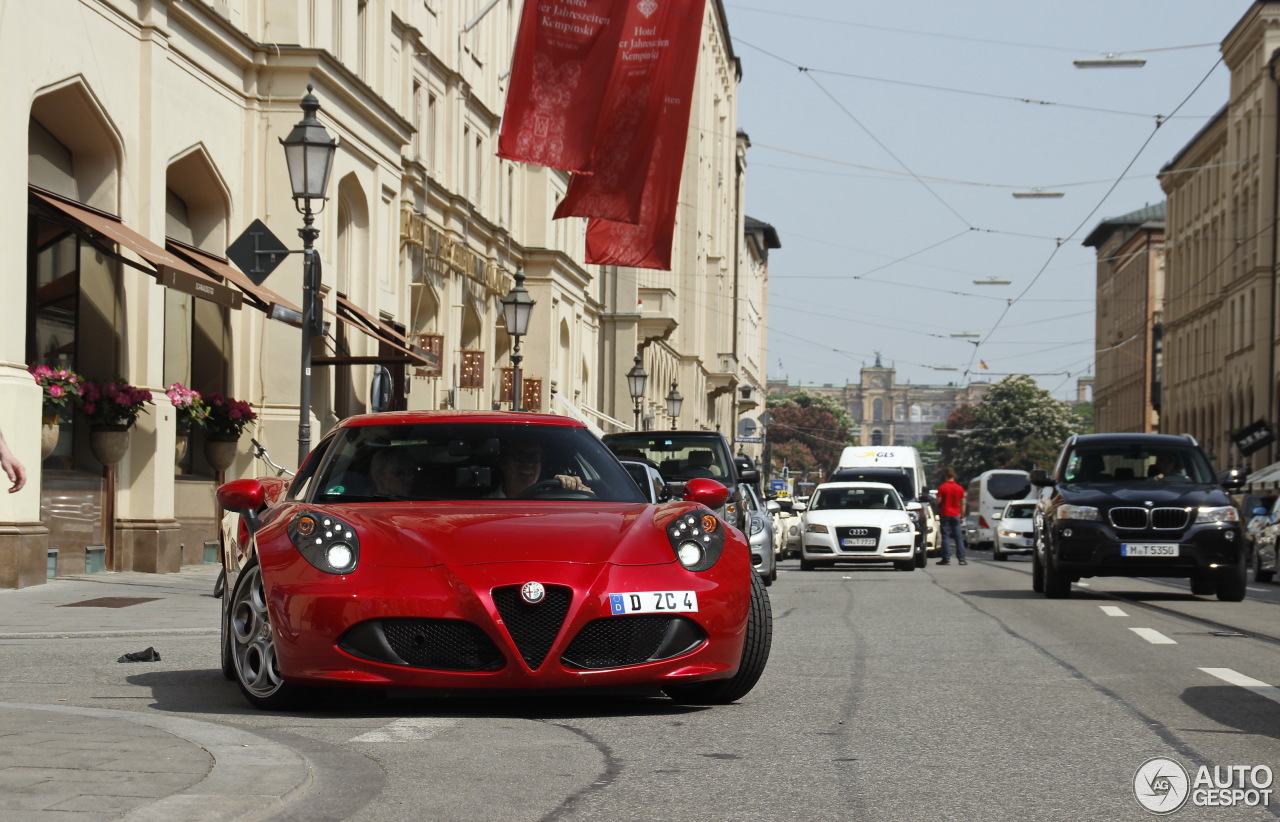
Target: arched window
877,411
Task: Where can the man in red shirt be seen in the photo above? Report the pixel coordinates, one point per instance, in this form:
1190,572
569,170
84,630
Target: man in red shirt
951,500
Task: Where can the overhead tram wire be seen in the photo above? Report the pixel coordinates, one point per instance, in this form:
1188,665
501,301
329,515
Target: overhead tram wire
1088,217
885,148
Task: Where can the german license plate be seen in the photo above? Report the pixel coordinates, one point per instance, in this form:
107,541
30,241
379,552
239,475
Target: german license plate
858,542
1148,549
1029,542
653,602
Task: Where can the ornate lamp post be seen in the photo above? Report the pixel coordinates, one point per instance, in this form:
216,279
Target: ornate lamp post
308,152
636,379
674,401
516,308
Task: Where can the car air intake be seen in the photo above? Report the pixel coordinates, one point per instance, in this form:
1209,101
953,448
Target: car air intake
533,628
1169,519
1130,518
615,642
435,644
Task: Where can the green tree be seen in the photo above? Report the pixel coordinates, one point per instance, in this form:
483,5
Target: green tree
807,434
1018,424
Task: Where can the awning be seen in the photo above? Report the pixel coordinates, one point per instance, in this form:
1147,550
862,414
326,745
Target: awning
386,335
101,230
1263,477
259,296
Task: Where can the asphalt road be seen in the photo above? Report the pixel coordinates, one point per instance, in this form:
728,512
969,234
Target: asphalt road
945,693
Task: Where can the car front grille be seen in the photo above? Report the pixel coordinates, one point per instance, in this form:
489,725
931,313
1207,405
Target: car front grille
616,642
533,628
1160,519
436,644
858,533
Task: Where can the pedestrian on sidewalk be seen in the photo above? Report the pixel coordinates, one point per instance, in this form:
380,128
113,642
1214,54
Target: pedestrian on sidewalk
951,502
12,468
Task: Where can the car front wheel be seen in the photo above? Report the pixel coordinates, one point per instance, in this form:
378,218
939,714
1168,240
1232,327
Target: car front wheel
252,646
755,654
1057,585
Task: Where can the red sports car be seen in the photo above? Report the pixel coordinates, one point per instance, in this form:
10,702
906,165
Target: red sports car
462,550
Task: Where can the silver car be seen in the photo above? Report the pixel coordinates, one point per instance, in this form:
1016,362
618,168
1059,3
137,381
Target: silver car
760,534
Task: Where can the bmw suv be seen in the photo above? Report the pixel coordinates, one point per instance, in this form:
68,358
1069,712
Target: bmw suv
1136,505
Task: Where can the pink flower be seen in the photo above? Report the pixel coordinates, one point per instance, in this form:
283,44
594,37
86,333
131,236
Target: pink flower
55,391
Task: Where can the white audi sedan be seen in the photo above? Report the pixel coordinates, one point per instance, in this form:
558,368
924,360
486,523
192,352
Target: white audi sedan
858,522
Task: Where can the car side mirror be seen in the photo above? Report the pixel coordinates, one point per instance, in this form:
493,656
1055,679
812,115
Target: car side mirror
706,492
245,497
997,516
772,506
1040,477
1234,482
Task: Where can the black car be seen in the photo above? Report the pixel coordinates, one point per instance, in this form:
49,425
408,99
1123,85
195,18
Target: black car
1136,505
684,455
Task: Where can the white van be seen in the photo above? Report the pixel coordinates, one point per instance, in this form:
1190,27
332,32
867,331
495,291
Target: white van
901,467
988,494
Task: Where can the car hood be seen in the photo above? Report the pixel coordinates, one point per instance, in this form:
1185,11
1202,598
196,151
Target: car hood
1016,524
418,535
843,517
1173,494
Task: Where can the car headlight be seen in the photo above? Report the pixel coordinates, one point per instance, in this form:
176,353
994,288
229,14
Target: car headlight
697,537
1080,512
1007,533
900,528
795,530
1225,513
326,542
757,525
815,528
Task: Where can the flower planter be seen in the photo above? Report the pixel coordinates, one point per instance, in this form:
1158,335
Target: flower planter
109,443
49,433
220,452
181,443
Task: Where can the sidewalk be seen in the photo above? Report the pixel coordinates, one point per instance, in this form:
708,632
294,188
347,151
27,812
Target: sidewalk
60,761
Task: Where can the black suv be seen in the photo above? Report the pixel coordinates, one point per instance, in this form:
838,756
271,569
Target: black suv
684,455
1136,505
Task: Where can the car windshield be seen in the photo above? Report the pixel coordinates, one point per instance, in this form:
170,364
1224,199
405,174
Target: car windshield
882,499
469,461
1020,512
1008,486
676,457
1133,463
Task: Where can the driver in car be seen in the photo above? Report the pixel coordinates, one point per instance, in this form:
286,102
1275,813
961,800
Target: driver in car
520,464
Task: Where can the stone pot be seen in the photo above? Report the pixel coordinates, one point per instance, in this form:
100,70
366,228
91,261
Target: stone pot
181,443
49,433
109,443
220,453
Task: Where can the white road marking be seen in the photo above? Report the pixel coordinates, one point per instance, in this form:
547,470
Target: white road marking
1247,682
1113,610
1257,590
406,730
1083,584
1153,636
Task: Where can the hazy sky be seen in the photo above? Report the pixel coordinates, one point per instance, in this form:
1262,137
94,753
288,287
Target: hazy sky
888,169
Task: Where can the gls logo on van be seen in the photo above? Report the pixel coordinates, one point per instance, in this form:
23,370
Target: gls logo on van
875,454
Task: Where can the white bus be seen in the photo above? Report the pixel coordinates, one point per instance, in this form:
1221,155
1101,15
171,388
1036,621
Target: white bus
988,494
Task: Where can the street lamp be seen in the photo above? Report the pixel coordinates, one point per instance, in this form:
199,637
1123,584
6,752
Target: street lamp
992,281
674,400
636,379
516,308
308,152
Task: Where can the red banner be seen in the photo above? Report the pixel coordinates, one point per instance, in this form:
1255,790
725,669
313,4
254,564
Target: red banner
648,244
652,79
564,55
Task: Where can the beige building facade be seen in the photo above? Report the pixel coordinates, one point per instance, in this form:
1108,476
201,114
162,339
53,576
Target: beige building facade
1130,310
1219,347
152,140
